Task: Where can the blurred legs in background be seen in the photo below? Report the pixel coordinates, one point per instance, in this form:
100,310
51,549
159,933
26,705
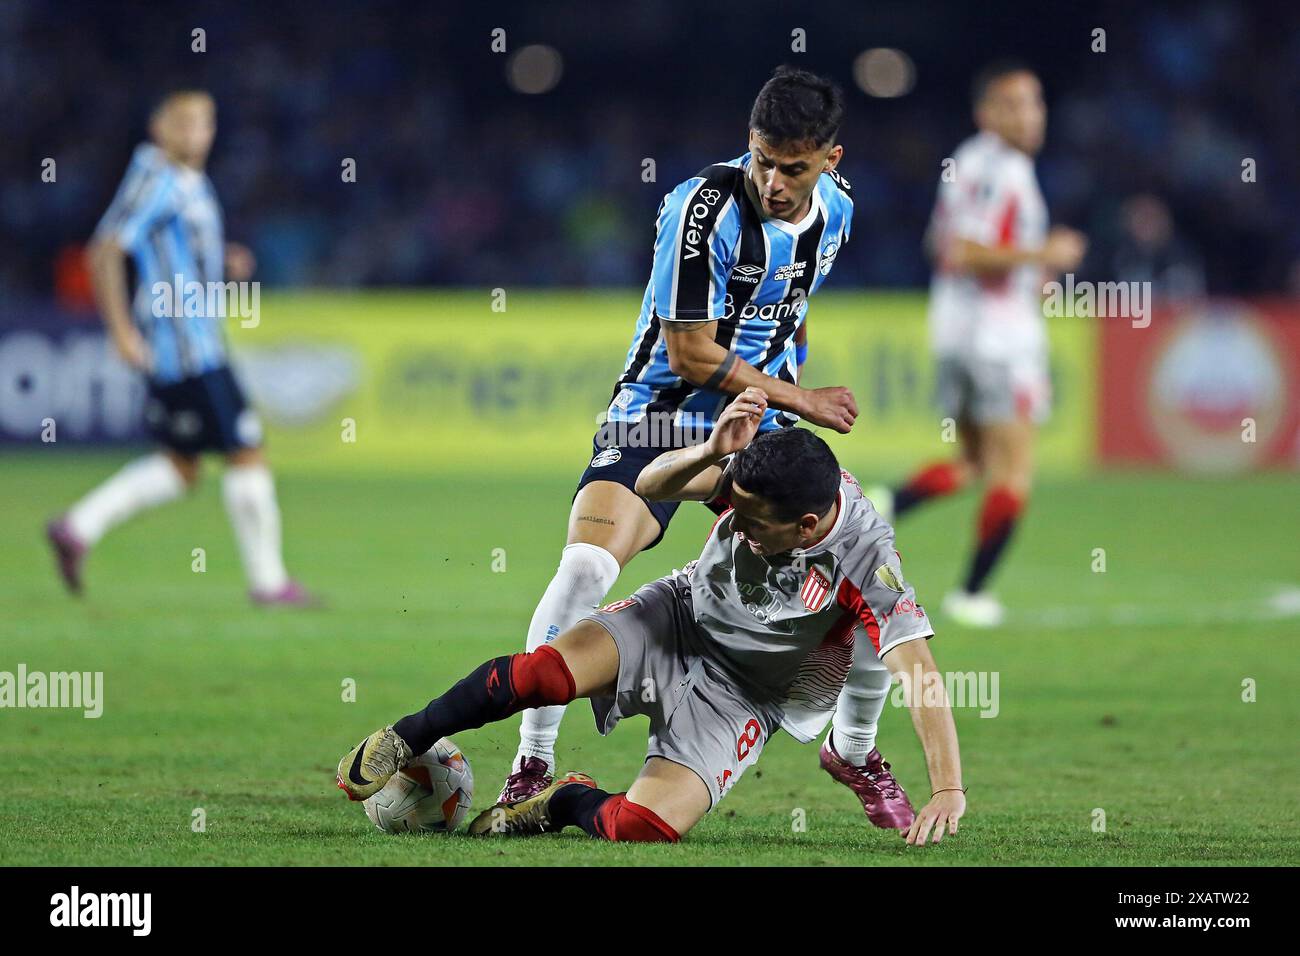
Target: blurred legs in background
140,485
1001,454
248,490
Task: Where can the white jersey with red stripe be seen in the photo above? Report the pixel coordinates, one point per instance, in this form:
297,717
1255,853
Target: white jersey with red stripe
785,628
992,199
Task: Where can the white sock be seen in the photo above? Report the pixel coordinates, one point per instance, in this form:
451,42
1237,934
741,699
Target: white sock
249,493
853,731
584,577
144,483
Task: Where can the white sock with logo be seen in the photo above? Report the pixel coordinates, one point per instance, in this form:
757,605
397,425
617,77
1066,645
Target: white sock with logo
584,577
249,493
853,731
144,483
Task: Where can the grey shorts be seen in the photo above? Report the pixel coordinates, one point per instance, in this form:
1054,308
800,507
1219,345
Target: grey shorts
984,392
698,718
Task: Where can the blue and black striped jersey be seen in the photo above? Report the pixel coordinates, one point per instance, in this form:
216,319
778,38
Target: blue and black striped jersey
166,217
718,258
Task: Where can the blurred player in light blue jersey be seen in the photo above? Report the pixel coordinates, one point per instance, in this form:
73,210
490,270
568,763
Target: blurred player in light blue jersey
166,218
739,248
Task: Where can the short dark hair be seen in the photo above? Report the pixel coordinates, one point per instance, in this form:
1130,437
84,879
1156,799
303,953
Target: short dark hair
796,106
790,468
177,93
993,72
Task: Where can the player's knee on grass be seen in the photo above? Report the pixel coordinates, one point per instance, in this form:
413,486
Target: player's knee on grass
675,794
622,821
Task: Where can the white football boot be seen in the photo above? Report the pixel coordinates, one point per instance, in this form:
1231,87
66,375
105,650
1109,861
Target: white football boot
979,610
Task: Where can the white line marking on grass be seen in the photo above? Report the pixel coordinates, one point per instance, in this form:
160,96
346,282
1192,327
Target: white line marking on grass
1283,603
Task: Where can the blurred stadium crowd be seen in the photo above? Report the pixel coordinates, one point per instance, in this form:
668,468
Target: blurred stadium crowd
464,180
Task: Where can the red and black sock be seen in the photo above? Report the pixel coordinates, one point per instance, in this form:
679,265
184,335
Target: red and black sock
998,518
933,481
608,816
495,690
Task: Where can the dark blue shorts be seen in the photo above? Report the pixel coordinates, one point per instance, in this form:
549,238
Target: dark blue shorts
622,464
207,412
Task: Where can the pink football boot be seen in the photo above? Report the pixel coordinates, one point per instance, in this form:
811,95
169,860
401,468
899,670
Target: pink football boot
882,796
532,777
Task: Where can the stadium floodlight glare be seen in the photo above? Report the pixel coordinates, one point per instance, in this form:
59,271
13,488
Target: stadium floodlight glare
535,69
884,72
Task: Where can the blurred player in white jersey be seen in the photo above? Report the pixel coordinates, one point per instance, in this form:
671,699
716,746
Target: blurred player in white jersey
992,251
166,219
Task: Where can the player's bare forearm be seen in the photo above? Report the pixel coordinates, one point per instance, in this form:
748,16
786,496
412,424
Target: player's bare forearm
1063,251
696,473
684,474
913,664
108,281
967,256
696,357
704,363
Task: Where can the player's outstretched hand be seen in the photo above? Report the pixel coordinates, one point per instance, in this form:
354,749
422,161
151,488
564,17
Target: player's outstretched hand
1064,249
738,423
240,262
941,813
832,407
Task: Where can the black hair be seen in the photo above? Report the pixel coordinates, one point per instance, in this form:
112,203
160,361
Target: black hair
796,106
993,72
175,93
791,469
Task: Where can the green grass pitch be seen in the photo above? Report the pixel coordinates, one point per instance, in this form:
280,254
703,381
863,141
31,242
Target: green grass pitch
1119,691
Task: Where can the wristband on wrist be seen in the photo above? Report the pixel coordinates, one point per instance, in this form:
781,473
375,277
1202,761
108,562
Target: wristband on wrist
800,353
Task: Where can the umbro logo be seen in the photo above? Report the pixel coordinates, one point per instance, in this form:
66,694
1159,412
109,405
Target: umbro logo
748,273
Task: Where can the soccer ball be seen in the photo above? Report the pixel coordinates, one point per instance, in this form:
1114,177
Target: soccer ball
431,795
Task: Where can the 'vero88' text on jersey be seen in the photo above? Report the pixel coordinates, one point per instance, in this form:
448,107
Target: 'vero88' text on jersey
718,258
786,630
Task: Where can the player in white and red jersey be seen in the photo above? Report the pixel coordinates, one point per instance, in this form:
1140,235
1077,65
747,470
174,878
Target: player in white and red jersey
992,251
797,584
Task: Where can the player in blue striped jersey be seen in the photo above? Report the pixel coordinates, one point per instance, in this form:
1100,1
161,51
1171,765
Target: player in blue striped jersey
165,218
739,249
725,264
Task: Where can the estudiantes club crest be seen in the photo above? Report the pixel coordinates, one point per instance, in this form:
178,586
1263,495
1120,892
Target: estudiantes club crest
815,591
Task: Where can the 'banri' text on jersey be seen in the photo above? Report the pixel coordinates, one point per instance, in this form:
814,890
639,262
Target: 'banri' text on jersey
718,258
